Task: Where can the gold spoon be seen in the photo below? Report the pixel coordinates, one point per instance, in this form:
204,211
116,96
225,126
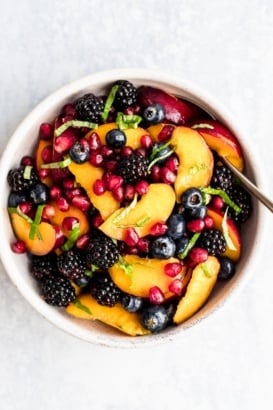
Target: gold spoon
249,185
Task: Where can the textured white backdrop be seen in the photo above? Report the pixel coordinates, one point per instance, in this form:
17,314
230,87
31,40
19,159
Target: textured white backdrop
225,47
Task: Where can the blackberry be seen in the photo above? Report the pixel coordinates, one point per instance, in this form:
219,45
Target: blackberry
132,168
89,108
57,291
125,95
103,289
101,251
222,177
43,266
213,241
243,199
72,264
19,181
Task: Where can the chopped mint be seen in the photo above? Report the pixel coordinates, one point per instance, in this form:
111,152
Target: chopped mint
142,221
203,125
126,267
60,164
223,195
205,270
156,150
27,172
225,230
72,237
82,307
34,226
125,211
76,124
190,245
197,168
109,102
20,213
127,121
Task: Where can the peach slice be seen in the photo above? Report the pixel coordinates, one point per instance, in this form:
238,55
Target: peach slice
86,307
195,160
136,275
58,217
234,251
42,144
204,277
221,140
177,111
86,174
42,243
155,206
133,135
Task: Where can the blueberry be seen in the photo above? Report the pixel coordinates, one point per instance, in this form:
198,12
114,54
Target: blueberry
39,193
154,318
16,198
181,245
163,247
116,138
132,303
176,226
79,152
198,213
227,269
192,198
82,281
154,114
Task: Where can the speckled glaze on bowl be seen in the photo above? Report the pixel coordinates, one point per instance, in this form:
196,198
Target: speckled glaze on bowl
23,141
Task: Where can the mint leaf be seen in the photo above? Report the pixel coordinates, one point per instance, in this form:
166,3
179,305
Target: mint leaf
190,245
109,102
60,164
223,195
76,124
82,307
127,121
72,238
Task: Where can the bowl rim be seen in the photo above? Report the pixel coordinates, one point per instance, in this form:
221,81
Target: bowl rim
164,80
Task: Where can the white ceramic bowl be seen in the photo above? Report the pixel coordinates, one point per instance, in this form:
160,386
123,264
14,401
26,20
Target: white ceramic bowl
22,142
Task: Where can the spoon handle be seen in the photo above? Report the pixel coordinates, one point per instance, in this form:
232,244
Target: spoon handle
249,185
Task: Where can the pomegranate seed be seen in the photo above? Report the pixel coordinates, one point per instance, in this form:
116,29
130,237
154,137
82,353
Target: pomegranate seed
60,238
198,255
96,158
132,250
196,225
43,173
209,222
69,110
27,160
172,163
173,269
110,165
131,237
142,187
94,141
217,202
70,193
64,142
97,220
69,222
106,151
82,241
55,192
47,154
156,173
48,211
141,151
68,183
155,295
143,245
118,193
159,228
165,133
106,176
167,175
62,203
146,141
176,287
19,247
126,151
114,181
134,109
81,202
99,187
25,207
129,192
46,131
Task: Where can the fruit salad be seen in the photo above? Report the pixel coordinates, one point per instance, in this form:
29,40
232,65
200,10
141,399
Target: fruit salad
125,210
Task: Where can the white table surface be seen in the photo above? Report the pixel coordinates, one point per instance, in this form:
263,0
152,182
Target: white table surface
225,47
